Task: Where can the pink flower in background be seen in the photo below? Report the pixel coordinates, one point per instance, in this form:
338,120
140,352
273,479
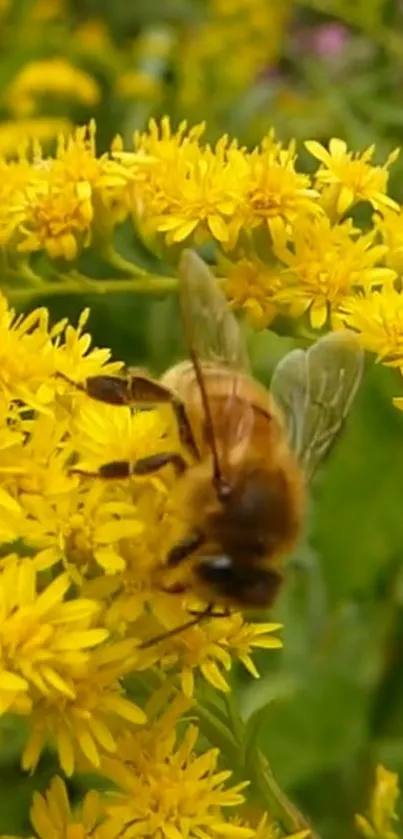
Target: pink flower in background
326,40
330,39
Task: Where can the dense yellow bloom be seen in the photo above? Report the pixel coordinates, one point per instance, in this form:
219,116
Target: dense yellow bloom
252,285
276,193
60,220
379,824
209,647
81,716
74,356
82,529
26,357
31,352
42,636
101,539
87,587
351,178
377,317
166,790
53,818
188,190
389,223
326,263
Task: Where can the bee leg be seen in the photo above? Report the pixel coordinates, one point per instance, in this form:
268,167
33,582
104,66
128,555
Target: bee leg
225,612
171,633
120,469
185,548
109,389
145,390
136,388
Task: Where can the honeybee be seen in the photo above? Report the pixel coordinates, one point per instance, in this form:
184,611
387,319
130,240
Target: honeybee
249,453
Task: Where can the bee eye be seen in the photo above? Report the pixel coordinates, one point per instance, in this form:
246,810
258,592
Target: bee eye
215,568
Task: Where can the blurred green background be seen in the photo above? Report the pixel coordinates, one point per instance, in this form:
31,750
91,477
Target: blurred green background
330,704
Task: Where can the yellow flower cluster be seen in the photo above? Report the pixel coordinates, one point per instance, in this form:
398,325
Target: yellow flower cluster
286,242
79,593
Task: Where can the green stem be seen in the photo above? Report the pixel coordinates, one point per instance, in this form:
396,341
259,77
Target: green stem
116,260
253,767
278,804
153,285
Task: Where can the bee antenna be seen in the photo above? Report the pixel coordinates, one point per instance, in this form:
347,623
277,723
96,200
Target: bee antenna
218,480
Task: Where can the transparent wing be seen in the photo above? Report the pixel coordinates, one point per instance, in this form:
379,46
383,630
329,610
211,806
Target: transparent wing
214,336
212,329
315,390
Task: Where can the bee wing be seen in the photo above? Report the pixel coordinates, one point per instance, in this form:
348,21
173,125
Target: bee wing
315,390
212,330
214,336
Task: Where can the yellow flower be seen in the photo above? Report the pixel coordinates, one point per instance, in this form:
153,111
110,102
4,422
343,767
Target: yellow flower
14,133
53,818
242,638
351,177
82,716
169,791
82,529
53,77
267,829
41,636
31,352
26,355
13,210
377,317
252,285
389,223
74,356
34,456
60,219
382,812
76,161
326,263
276,192
208,647
72,197
188,190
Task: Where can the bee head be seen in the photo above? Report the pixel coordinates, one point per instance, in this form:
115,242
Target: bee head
257,514
246,585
